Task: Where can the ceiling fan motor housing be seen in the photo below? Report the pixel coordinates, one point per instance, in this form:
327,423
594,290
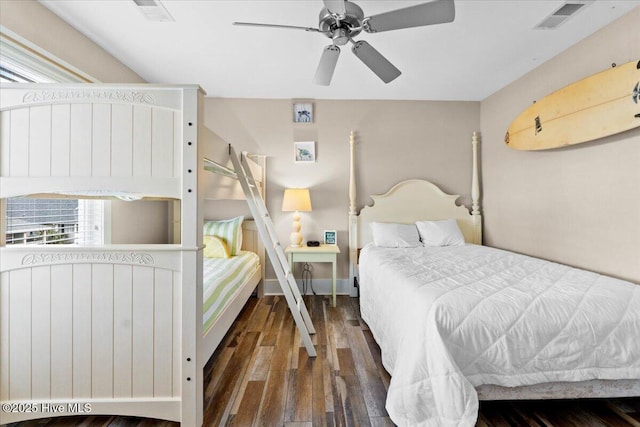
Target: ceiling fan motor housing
341,29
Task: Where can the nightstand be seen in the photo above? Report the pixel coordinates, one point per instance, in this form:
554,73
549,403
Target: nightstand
322,253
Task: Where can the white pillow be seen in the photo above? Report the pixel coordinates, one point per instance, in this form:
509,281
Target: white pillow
392,235
440,233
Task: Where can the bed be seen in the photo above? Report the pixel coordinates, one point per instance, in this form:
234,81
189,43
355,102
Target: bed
112,329
227,283
480,323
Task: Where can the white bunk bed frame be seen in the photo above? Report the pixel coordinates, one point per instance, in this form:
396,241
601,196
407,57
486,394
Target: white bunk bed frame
115,329
416,200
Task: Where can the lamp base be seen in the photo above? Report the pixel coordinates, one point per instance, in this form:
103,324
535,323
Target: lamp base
296,236
295,239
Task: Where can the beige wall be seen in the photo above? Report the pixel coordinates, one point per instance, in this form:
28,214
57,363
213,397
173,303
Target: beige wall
396,140
136,222
577,205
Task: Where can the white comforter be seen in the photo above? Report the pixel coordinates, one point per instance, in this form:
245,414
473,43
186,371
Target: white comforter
451,318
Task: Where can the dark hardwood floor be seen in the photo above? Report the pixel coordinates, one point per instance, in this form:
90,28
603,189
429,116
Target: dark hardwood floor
261,376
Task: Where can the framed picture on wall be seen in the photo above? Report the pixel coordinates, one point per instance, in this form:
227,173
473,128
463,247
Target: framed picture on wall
303,112
330,237
304,151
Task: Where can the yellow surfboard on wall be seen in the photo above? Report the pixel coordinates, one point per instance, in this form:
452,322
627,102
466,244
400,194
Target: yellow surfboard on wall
600,105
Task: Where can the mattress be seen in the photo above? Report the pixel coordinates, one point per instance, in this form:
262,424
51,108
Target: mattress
449,319
222,280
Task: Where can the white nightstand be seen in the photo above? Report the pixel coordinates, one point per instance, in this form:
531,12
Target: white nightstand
322,253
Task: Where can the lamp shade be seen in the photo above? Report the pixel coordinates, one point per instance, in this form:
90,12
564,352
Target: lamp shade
296,199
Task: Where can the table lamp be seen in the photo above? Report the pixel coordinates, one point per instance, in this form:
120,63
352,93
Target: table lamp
296,200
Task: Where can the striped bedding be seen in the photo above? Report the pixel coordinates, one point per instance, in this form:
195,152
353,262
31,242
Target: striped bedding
222,278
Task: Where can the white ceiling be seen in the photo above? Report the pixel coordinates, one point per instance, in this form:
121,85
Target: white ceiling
490,44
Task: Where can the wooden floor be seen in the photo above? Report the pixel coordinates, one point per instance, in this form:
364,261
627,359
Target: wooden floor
261,376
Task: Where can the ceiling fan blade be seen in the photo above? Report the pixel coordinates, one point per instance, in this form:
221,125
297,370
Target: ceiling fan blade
336,7
327,65
375,61
435,12
290,27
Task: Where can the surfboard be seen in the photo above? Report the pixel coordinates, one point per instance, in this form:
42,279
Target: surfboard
597,106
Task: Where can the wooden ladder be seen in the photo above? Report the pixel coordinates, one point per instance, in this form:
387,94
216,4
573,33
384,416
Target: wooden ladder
274,250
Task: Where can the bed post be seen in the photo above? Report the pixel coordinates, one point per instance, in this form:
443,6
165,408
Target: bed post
353,220
475,193
191,247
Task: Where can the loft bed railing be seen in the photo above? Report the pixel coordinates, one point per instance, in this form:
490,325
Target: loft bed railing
222,189
215,167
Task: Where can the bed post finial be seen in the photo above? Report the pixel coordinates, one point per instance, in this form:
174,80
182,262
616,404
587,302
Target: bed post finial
352,176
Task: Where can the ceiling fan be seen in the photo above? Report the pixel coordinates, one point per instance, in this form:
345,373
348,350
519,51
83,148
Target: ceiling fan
342,20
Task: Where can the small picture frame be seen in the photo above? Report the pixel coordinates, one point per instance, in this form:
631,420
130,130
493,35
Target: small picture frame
303,112
304,152
330,237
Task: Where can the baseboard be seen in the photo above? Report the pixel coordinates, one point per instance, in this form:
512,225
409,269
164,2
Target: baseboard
320,286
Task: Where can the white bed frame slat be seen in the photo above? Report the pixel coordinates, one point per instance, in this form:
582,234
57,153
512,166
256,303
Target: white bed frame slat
101,140
41,331
121,140
102,327
142,141
62,332
81,344
19,146
20,342
40,141
115,326
122,332
163,334
143,327
162,143
60,134
80,144
5,149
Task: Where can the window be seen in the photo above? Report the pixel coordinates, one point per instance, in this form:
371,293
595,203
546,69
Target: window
21,61
54,221
37,221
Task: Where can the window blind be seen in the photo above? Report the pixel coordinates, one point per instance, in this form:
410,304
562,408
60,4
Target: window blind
54,221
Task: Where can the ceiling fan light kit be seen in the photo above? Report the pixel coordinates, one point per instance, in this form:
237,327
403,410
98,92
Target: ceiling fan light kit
342,20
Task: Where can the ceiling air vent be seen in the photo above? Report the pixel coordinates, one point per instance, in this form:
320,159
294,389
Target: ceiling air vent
153,10
562,14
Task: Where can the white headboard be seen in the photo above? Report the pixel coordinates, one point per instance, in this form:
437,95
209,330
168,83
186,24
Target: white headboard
411,201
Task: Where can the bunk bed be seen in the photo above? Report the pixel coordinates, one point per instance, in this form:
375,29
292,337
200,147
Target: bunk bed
113,329
458,322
